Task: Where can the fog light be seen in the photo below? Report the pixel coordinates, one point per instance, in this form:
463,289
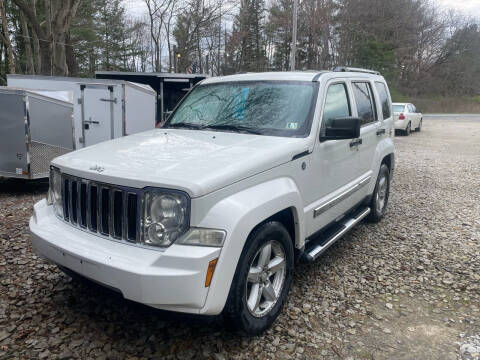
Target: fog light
156,234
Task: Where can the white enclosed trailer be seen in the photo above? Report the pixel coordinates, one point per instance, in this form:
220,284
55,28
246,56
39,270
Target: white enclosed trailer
35,127
103,109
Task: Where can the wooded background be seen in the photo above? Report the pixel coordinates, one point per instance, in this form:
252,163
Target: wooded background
418,47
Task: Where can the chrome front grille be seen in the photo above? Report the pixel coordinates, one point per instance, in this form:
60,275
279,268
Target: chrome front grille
107,210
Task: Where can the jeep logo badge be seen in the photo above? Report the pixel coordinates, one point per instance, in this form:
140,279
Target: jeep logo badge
97,168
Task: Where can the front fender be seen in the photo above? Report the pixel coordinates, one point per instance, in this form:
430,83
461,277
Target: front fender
238,214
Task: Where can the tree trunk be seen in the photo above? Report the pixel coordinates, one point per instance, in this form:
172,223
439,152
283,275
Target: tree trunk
28,44
6,39
49,37
36,45
71,60
199,53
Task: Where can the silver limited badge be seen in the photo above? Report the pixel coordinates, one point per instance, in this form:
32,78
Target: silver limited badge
97,168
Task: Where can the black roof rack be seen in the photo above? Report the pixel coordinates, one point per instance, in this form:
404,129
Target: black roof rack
352,69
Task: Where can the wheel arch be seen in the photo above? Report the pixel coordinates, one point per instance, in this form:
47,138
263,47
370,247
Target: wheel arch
384,154
277,200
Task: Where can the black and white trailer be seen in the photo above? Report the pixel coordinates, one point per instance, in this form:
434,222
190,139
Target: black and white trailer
103,109
170,87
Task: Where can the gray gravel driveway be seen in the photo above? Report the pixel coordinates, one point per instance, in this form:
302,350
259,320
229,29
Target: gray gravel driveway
406,288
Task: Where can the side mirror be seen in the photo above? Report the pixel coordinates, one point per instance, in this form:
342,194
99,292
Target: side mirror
341,129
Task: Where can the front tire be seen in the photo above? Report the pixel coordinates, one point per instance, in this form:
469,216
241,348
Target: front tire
262,279
378,204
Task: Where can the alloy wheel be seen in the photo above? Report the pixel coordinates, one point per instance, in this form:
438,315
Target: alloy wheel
266,278
381,195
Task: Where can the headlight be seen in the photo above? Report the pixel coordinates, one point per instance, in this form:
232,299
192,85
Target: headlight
166,216
55,191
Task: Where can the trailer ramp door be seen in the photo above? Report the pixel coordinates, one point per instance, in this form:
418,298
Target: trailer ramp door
97,113
13,150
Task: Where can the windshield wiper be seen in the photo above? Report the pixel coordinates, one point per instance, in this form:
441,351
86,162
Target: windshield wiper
229,127
184,125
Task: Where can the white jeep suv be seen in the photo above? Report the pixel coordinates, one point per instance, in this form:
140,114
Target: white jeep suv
209,214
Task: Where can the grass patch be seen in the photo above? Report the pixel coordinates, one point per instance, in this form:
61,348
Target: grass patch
440,104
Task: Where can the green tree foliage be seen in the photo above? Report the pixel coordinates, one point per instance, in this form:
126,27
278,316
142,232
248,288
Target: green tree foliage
246,45
101,36
185,48
373,54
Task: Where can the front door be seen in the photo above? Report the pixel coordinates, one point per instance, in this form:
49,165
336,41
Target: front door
97,116
334,165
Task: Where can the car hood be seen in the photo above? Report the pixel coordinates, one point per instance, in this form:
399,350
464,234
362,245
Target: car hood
197,162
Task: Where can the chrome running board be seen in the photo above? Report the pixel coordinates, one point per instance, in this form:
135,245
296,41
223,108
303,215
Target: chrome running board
315,247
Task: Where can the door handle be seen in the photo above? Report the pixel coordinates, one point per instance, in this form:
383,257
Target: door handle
380,132
355,142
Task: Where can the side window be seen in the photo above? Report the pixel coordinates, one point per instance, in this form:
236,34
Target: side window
414,109
336,104
410,108
384,100
365,103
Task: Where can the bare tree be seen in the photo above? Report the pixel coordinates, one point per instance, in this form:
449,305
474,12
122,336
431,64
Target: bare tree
28,44
157,10
6,38
52,39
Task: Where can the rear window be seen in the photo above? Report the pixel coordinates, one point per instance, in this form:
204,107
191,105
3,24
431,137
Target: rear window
384,100
398,108
365,104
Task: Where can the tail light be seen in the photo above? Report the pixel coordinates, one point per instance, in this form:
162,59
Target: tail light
401,117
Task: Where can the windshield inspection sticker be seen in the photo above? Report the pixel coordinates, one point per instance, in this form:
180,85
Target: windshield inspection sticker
292,126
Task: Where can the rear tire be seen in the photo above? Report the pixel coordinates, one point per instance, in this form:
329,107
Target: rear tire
408,129
262,279
419,128
379,201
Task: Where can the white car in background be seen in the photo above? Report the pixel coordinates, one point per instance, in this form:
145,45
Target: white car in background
407,117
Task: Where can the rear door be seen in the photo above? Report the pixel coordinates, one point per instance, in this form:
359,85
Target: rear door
98,105
367,111
411,116
416,115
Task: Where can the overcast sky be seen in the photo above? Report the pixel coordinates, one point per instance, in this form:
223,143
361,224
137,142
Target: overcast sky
467,7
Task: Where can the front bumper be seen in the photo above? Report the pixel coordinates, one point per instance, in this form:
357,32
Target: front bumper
171,279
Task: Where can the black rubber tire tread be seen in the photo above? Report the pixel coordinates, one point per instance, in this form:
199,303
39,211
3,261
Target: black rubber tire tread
419,128
408,130
236,311
374,216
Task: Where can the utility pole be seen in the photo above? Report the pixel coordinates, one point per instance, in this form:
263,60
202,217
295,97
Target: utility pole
294,36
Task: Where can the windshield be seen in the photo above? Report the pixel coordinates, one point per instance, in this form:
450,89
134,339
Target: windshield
261,107
398,108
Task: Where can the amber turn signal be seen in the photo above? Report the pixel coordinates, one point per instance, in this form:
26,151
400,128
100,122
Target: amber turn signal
210,271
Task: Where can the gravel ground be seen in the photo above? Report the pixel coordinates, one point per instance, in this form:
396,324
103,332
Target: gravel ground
406,288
